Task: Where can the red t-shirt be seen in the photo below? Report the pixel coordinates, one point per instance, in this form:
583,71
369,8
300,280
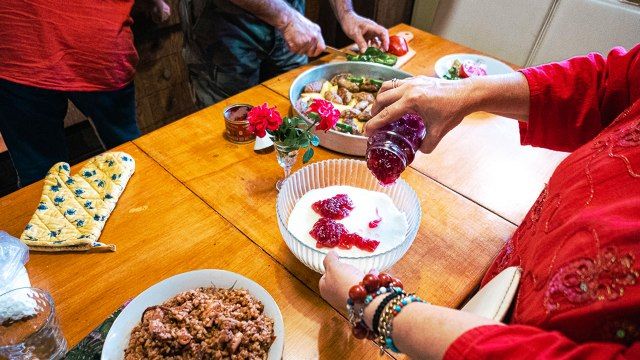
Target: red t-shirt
579,245
70,45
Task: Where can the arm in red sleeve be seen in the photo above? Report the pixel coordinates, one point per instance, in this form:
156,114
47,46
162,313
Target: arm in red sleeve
527,342
573,100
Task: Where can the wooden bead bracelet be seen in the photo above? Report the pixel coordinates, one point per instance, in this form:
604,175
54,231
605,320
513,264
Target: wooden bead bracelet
363,293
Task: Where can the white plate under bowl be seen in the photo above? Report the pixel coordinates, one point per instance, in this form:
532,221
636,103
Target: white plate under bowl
117,339
353,173
494,67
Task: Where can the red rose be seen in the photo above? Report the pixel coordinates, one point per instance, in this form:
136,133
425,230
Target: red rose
262,118
328,114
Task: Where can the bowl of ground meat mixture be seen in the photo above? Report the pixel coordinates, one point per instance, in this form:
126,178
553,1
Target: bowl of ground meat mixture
202,314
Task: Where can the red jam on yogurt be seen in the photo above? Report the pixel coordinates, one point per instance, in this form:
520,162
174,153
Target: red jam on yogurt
337,207
330,233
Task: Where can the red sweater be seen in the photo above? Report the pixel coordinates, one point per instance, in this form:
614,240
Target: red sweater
579,245
70,45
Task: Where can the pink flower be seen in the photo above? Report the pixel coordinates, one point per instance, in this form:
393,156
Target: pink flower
262,118
328,114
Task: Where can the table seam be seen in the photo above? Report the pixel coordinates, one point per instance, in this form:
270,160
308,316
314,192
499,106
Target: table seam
466,197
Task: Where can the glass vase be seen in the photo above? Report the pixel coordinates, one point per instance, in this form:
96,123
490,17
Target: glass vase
287,156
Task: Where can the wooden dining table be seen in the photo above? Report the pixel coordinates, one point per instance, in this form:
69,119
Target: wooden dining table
198,201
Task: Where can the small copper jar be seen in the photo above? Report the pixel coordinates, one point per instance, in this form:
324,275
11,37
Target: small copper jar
236,123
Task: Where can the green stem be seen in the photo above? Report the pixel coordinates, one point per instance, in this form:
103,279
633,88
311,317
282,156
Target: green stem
312,125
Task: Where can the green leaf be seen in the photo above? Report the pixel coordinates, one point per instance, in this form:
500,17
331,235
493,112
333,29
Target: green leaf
290,122
301,121
307,155
313,116
315,141
291,139
304,142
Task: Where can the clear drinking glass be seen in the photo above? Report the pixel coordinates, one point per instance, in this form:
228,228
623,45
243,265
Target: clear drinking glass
287,156
29,327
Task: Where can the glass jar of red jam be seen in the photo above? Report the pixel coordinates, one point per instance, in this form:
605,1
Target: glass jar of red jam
236,123
393,147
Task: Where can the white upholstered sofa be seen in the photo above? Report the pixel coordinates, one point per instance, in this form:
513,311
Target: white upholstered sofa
531,32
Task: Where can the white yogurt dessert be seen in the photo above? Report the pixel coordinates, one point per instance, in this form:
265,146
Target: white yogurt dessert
374,216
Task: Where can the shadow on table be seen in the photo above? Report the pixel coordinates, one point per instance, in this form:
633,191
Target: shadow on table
334,339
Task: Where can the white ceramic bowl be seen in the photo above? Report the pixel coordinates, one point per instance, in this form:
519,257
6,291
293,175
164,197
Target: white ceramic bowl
335,140
117,339
353,173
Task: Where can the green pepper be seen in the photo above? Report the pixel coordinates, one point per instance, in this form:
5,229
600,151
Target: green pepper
356,79
376,82
373,54
345,128
386,59
363,58
452,74
373,51
391,60
353,57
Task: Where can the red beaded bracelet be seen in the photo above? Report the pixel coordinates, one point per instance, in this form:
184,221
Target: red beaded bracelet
363,293
370,284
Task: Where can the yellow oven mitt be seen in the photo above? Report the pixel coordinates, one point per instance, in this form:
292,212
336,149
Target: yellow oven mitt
74,209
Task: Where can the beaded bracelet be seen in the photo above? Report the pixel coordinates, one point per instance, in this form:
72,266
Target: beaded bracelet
363,293
381,306
383,290
359,327
370,284
384,330
391,310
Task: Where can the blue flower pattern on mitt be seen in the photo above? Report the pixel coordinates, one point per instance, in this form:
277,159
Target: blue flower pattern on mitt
74,208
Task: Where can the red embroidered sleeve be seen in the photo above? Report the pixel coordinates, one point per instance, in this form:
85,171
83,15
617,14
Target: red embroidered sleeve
527,342
573,100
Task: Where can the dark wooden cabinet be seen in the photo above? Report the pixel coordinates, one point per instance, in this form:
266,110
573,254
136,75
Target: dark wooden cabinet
162,83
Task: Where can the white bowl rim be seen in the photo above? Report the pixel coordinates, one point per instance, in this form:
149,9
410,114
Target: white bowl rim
485,58
263,296
399,181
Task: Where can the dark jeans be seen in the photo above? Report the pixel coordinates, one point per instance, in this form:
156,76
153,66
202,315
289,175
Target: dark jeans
229,50
31,123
